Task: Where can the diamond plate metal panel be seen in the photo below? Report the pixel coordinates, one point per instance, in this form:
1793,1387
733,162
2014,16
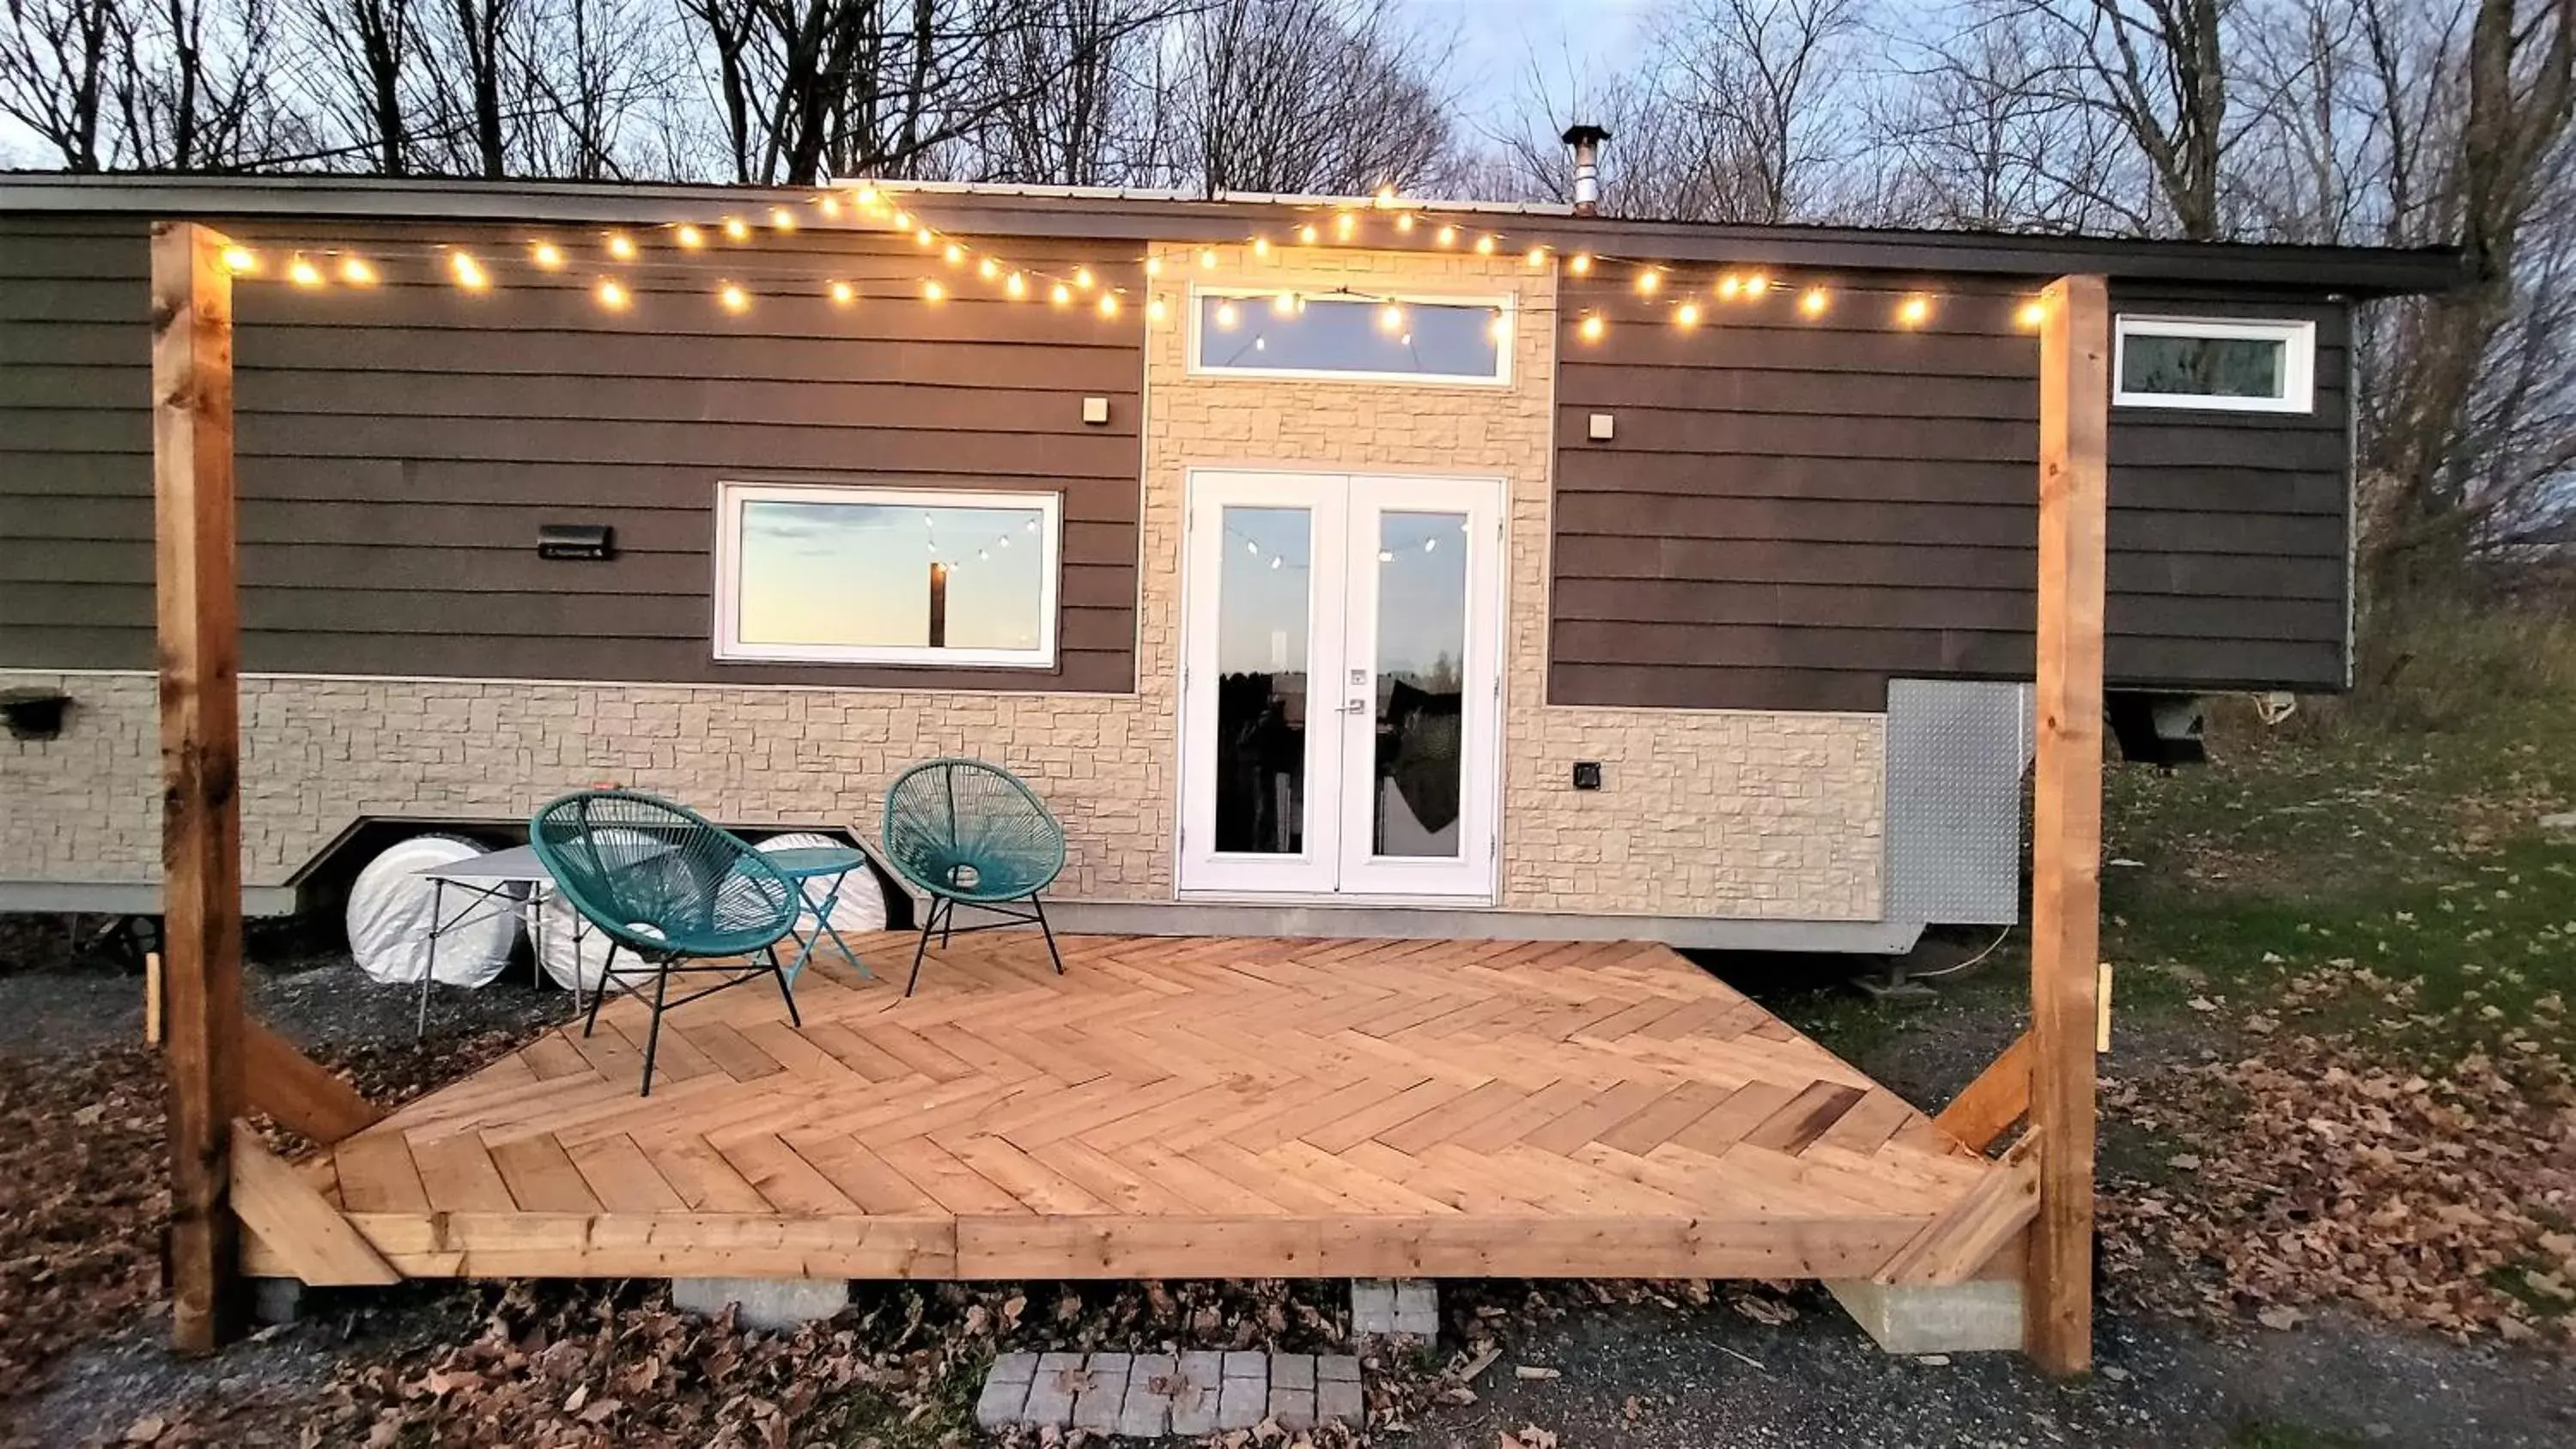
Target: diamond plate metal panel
1956,753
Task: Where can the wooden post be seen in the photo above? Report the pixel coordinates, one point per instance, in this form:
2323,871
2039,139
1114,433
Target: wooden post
2066,814
192,484
938,605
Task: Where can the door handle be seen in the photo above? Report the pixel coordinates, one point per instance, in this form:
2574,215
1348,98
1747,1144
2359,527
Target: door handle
1357,706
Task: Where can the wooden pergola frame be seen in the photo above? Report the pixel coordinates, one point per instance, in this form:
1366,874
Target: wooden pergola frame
221,1063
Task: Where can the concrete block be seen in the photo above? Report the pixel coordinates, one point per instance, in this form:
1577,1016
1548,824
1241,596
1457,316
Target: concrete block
1292,1371
1194,1397
1247,1364
1147,1413
276,1300
1340,1401
1417,1308
1103,1395
1006,1390
1051,1392
1331,1366
1242,1402
763,1302
1372,1307
1982,1316
1293,1408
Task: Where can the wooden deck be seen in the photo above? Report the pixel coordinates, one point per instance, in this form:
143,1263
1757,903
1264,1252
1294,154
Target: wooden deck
1171,1107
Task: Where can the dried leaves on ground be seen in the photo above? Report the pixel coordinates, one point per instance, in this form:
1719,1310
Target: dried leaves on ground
2323,1168
83,1195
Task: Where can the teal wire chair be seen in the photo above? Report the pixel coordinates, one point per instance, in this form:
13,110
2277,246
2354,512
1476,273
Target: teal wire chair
680,894
965,832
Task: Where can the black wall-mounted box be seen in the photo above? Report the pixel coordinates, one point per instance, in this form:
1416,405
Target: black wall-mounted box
576,541
1587,774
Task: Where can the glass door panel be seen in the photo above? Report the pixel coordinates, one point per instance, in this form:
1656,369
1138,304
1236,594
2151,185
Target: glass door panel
1416,758
1263,615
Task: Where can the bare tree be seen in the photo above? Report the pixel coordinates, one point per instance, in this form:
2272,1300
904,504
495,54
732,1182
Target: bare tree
1309,96
1970,137
194,89
368,76
56,60
1073,100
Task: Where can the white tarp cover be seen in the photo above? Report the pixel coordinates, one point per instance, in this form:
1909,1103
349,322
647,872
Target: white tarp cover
862,904
389,918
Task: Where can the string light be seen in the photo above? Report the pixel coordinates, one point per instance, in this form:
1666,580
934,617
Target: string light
1390,318
241,261
781,218
1226,315
1445,235
621,246
1108,304
923,236
1016,287
1307,235
1756,285
735,299
1153,266
1342,225
1814,301
690,238
469,272
736,229
1154,309
932,292
1060,295
2032,314
546,255
1082,278
1285,304
611,294
901,220
1730,286
1686,315
830,205
866,195
1592,327
303,273
988,269
843,294
1386,196
954,253
1499,327
356,272
1581,263
1207,259
1261,246
1535,258
1404,222
1485,245
1648,279
1914,311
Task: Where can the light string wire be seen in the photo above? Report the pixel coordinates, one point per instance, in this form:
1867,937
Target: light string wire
625,256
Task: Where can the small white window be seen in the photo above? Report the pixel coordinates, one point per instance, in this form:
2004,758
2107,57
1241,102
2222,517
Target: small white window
885,575
2215,362
1287,333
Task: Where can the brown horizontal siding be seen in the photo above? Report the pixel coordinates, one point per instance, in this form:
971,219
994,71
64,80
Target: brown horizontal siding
399,447
1790,514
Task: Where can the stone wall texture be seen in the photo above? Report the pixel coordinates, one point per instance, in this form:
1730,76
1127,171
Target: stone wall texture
1703,813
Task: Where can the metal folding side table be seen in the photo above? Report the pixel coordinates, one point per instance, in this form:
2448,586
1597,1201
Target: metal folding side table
806,865
491,884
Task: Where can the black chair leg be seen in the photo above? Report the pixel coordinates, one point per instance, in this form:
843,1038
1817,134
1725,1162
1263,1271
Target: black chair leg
784,989
1040,907
947,923
653,1036
928,924
598,992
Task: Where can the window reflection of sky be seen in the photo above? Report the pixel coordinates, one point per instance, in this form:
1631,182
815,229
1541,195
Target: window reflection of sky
859,574
1421,559
1346,334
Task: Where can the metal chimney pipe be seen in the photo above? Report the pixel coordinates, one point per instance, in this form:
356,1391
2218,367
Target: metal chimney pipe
1586,141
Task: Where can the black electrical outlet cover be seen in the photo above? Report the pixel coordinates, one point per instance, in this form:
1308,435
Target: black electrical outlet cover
1587,774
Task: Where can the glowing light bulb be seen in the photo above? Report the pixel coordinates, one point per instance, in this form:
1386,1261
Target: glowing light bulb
1535,257
954,253
1284,305
1390,318
1153,266
1580,264
901,220
1814,301
303,273
241,261
690,237
735,299
2031,315
830,206
736,229
1914,311
1499,327
1386,196
1108,304
844,294
1730,286
923,236
1227,316
781,218
987,269
1404,222
611,294
932,292
1445,235
866,195
1342,225
1261,246
469,272
1686,315
1648,279
1082,278
1592,327
621,246
1060,294
1307,234
546,255
1207,259
1276,560
1250,547
1484,246
1016,287
1756,285
356,272
1154,309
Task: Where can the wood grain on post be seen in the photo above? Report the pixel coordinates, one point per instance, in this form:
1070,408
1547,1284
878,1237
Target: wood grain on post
2066,814
192,478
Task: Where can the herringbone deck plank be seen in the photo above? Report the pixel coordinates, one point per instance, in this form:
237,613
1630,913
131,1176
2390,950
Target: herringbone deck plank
1256,1106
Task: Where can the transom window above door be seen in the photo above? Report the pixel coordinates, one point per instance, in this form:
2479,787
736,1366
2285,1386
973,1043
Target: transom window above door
2224,364
1296,334
841,575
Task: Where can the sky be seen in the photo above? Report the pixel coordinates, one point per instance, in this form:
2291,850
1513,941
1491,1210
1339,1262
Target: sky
1496,39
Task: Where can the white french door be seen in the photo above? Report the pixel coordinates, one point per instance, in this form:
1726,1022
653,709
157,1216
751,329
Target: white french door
1340,716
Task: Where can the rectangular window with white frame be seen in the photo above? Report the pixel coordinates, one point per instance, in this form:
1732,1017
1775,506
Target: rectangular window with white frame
827,574
2224,364
1284,332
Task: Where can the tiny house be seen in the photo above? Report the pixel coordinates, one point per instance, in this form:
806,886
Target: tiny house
1331,566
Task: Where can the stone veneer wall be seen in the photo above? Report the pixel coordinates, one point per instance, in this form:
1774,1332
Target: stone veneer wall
1718,813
